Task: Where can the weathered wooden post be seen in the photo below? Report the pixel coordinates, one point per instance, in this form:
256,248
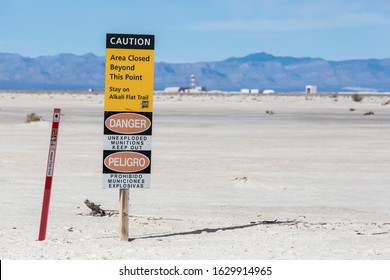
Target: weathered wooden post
124,214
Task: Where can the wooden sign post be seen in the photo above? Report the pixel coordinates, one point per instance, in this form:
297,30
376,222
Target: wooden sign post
128,107
124,214
49,173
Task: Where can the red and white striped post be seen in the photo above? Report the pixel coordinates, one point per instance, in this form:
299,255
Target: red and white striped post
49,173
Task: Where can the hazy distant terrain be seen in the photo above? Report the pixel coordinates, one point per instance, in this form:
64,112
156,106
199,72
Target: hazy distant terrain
259,70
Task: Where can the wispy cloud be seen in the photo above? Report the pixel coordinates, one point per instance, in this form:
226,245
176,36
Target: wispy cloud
350,20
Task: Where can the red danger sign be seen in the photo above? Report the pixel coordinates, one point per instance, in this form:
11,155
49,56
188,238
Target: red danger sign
128,123
127,131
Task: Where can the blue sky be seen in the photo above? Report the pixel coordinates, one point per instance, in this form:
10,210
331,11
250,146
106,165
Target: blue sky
200,30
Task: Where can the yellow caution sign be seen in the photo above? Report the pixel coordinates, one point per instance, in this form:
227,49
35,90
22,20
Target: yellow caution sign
129,73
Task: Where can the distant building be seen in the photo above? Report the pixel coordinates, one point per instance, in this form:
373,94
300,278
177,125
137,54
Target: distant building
197,89
200,89
191,89
268,91
172,89
252,90
310,89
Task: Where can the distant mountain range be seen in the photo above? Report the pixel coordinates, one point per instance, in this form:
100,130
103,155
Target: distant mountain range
257,71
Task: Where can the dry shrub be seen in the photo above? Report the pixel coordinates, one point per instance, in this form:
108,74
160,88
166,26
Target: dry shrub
33,117
356,97
384,104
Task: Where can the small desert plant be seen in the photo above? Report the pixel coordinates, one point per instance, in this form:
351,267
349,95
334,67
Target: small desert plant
356,97
33,117
385,103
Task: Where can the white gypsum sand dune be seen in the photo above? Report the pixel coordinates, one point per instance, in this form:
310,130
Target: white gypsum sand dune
233,177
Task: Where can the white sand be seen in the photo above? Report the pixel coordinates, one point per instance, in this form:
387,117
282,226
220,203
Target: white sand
223,169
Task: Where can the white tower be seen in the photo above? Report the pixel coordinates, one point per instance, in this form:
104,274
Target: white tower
192,81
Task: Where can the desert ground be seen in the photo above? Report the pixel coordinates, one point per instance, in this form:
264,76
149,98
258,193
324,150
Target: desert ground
234,176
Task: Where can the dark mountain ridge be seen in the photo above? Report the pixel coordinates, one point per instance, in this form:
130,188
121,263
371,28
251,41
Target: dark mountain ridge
259,70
